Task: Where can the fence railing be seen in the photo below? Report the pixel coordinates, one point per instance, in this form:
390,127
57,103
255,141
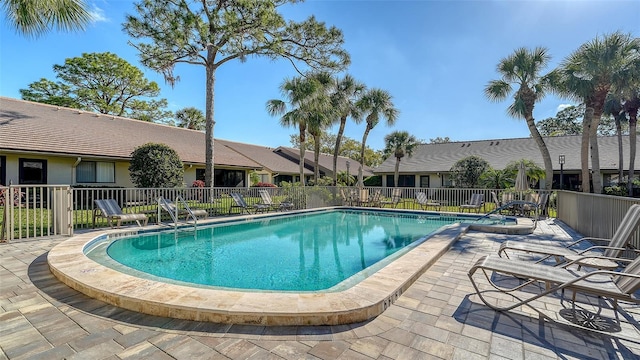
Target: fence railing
59,210
35,211
595,215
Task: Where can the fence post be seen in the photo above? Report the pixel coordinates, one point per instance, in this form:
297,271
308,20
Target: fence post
62,211
4,225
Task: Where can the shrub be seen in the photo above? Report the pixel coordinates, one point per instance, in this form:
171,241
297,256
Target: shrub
322,181
155,166
197,184
466,172
616,190
375,180
261,184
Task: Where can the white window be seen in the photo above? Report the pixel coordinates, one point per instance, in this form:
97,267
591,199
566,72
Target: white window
95,172
447,181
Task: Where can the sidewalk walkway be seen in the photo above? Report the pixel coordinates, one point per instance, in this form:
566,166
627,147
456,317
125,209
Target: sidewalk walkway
438,317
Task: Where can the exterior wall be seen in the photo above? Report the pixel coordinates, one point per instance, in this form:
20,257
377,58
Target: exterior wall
58,168
435,180
12,169
265,176
122,176
61,170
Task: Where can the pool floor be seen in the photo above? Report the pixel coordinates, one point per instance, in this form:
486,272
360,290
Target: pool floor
361,302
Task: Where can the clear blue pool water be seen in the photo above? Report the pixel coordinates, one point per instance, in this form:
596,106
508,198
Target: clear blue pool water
303,252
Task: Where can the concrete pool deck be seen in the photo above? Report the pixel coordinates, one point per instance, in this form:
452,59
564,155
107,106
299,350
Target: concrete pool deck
437,317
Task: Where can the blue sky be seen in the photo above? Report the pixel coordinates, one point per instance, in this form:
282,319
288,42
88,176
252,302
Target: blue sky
434,57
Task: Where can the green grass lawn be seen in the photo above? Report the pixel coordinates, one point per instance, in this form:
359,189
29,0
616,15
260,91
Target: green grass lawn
38,222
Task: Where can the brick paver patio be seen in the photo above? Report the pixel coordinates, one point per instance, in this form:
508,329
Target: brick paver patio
438,317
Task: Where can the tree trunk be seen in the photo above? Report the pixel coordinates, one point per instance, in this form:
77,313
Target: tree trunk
544,151
620,157
316,158
633,122
595,152
396,173
303,139
336,150
584,148
364,144
209,180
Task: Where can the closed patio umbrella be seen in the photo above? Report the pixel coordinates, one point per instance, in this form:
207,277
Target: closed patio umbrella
521,179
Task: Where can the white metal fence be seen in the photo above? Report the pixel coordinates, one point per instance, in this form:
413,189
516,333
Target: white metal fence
595,215
35,211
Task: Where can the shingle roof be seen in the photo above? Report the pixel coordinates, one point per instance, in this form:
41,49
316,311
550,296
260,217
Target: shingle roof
499,152
325,161
35,127
266,157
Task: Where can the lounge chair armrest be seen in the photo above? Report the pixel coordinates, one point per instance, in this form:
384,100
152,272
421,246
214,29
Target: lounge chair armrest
586,239
595,273
585,257
604,247
605,272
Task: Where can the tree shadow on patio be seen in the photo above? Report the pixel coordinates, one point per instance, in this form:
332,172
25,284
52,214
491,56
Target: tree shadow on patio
537,330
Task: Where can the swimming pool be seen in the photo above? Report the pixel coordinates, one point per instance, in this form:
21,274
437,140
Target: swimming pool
298,252
361,297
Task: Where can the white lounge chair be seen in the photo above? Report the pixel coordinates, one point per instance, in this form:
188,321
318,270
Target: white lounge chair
396,197
109,209
267,200
239,202
425,202
170,207
476,202
618,242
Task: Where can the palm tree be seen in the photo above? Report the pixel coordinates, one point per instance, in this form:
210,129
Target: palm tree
316,125
321,115
399,144
190,118
613,107
588,74
300,93
522,68
496,179
344,98
36,17
631,106
375,103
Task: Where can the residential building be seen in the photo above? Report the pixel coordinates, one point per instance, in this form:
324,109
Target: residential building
430,164
45,144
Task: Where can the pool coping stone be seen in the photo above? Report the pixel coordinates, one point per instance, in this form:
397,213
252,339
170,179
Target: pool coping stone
363,301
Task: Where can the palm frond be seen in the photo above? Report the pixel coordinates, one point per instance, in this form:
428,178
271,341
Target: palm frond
497,90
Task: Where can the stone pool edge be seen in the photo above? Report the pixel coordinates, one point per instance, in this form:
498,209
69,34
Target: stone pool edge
363,301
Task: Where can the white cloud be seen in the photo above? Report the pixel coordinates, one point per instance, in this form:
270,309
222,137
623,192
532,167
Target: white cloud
97,14
563,106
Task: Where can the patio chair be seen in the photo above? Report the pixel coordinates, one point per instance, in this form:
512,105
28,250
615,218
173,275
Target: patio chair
170,207
498,203
375,198
267,200
239,202
350,196
476,202
396,196
618,243
539,205
604,283
109,209
367,199
424,201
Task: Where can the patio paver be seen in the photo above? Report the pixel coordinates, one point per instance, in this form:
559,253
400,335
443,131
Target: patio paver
437,317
